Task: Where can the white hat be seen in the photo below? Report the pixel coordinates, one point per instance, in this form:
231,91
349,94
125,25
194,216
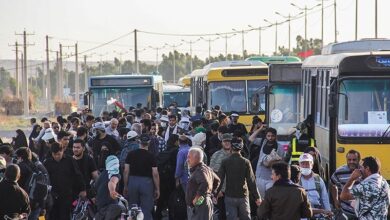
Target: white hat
131,135
306,157
198,138
49,134
99,125
164,118
234,115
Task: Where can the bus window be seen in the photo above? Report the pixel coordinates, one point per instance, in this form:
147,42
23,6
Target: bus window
253,86
230,95
363,107
284,108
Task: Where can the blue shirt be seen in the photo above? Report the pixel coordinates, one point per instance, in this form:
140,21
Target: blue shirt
181,164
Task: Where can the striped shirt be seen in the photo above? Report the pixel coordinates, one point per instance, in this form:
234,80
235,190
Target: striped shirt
339,179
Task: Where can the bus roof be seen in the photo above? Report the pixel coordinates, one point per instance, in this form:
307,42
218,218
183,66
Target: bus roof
122,80
174,88
198,72
234,63
185,80
275,59
364,61
364,45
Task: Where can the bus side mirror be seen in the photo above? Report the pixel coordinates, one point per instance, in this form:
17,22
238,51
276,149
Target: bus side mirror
86,101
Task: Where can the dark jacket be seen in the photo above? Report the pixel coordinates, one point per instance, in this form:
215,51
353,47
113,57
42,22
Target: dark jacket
203,182
14,200
285,200
240,179
64,176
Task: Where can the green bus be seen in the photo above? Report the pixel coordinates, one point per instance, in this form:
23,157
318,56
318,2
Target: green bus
275,59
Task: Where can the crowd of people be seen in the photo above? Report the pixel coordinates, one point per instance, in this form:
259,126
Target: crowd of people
176,166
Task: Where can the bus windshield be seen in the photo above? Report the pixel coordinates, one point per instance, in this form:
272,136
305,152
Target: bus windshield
101,99
284,108
181,98
364,108
231,95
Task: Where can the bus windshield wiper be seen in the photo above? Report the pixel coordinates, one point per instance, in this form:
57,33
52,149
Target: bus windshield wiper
384,134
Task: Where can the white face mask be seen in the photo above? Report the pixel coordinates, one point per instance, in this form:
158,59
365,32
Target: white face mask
305,171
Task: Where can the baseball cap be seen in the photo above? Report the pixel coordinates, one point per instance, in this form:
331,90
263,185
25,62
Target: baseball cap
145,138
99,126
227,137
234,114
237,143
305,157
131,135
198,138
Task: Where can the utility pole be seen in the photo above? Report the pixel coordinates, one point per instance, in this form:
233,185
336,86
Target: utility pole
48,82
61,77
335,22
16,67
276,33
191,42
305,9
157,49
44,82
322,23
174,59
76,77
226,37
376,18
25,96
209,40
85,74
136,51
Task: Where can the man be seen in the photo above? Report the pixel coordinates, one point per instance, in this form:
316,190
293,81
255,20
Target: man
14,200
215,164
254,149
75,123
202,183
66,180
340,178
215,142
181,171
141,178
85,163
240,182
132,143
24,157
63,138
372,194
106,199
314,186
299,143
235,126
112,128
6,151
284,200
34,132
271,152
172,127
89,121
100,137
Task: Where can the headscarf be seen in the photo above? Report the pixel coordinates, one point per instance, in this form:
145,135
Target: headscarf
112,166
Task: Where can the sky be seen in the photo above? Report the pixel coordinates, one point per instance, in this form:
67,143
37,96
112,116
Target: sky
92,22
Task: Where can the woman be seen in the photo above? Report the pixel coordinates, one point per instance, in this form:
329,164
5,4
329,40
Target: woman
20,140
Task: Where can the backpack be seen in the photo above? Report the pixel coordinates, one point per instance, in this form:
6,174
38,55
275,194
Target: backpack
164,163
129,146
317,183
38,185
